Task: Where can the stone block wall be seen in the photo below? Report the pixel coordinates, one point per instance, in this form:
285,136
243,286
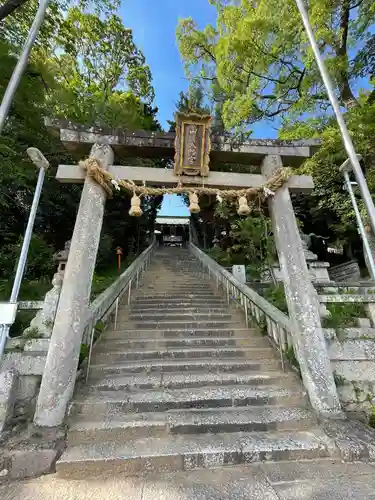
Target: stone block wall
23,363
352,354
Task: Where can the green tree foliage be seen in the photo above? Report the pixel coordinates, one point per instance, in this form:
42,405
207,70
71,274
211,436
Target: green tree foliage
258,59
329,205
257,64
100,75
86,69
191,101
241,240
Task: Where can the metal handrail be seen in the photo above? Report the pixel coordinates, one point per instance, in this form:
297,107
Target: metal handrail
277,324
106,304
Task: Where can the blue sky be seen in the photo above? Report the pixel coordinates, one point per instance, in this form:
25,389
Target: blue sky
154,25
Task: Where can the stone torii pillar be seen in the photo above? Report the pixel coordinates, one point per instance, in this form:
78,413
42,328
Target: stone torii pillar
62,360
302,299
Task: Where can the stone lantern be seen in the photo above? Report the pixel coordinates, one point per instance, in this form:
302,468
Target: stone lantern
62,258
42,324
192,144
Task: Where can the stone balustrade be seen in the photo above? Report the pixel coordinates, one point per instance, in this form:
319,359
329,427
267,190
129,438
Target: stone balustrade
272,321
25,357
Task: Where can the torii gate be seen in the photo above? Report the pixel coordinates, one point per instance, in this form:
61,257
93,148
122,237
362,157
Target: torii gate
308,339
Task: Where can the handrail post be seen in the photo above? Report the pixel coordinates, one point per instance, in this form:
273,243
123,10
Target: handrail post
90,352
116,312
129,291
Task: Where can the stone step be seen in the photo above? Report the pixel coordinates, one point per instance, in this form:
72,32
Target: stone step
106,403
160,289
163,284
106,345
172,306
174,298
178,324
177,316
175,380
177,296
156,424
202,309
177,293
255,353
177,453
211,365
350,333
127,334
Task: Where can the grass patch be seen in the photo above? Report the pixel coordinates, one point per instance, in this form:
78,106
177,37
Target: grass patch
22,321
344,315
371,420
340,381
36,290
30,290
105,277
290,355
276,296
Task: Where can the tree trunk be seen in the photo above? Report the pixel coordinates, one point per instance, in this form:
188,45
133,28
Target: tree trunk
347,97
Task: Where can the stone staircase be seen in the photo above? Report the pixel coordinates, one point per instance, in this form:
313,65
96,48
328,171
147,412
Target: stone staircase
183,384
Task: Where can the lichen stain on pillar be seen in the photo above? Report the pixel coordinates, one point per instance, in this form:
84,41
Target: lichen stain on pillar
62,360
303,303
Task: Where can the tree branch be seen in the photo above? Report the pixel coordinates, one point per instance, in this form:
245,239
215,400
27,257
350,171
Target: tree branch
206,51
346,93
356,5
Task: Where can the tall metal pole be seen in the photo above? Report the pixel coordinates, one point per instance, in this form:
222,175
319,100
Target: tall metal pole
42,163
22,62
26,241
361,227
348,143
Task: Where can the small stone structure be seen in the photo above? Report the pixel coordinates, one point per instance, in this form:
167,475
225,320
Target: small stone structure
318,270
42,324
348,271
239,272
352,350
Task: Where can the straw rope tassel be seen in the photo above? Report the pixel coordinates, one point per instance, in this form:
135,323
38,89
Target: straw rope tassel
194,203
135,209
243,207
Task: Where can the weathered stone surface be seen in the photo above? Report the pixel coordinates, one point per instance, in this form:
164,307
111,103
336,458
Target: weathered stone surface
232,484
348,271
8,382
24,344
302,299
200,451
323,479
30,463
334,489
312,480
363,323
352,349
27,363
282,472
362,370
52,488
62,360
349,333
353,440
43,322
